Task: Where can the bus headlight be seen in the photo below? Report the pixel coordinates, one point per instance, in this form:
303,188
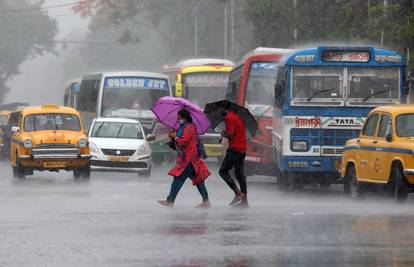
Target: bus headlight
82,143
28,144
299,146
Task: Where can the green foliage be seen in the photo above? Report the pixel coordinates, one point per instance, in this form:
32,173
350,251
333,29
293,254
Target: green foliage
23,34
333,21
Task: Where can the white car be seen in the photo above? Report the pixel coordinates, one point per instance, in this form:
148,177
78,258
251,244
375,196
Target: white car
120,145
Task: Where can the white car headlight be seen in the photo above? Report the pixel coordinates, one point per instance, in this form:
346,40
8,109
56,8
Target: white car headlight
28,144
93,148
82,143
144,149
299,146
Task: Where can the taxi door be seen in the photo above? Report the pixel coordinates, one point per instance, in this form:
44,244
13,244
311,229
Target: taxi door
382,159
368,142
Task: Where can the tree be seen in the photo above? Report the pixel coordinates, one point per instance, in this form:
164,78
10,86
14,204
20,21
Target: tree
283,23
25,31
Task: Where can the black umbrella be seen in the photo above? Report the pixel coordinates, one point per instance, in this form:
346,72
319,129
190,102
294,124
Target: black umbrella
215,114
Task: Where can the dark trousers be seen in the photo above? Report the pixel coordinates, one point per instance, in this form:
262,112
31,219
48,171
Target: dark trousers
234,159
180,180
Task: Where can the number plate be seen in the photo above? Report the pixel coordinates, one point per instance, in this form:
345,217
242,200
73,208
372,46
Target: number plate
115,158
54,164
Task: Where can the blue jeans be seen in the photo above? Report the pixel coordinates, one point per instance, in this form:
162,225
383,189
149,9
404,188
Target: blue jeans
180,180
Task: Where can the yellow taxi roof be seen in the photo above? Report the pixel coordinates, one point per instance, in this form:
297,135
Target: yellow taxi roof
49,108
395,109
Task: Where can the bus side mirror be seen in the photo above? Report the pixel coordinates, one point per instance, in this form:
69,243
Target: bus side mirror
278,93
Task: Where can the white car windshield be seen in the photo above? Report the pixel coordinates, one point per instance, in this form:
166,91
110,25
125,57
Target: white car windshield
117,130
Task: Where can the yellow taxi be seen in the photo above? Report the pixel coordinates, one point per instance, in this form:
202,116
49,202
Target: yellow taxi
4,118
383,154
49,138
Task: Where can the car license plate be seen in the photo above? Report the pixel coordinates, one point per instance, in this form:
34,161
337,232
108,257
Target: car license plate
54,164
116,158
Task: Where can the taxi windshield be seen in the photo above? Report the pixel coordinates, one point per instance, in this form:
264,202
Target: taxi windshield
117,130
51,121
405,125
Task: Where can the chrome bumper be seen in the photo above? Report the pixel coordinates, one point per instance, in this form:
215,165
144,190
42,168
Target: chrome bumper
56,156
409,171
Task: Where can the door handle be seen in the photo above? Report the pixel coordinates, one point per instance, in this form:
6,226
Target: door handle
358,140
375,142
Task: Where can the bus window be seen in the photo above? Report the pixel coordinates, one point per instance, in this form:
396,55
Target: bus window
260,88
89,94
205,87
234,83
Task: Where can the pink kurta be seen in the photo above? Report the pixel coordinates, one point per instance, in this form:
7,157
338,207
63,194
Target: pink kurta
188,145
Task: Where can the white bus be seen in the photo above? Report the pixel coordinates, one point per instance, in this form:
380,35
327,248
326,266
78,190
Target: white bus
128,94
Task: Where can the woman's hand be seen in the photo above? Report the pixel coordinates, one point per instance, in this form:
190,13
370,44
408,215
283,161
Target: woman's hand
172,135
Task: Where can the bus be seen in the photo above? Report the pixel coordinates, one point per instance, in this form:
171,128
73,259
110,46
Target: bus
252,84
202,81
71,93
129,94
322,97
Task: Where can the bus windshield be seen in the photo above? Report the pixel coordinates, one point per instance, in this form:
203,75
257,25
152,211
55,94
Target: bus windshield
127,96
373,84
204,87
260,88
327,86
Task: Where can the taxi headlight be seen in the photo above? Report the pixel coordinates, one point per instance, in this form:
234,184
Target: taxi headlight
144,149
28,144
82,143
299,146
93,148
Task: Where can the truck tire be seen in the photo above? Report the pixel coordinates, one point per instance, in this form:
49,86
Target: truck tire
399,185
77,173
284,182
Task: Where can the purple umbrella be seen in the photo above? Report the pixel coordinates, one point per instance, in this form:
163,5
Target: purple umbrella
167,107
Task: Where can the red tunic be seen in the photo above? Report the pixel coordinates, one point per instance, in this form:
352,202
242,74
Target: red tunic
188,144
236,130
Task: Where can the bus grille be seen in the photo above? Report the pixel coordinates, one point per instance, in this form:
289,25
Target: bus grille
324,137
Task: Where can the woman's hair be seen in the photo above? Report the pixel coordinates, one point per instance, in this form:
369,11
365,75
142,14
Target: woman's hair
185,114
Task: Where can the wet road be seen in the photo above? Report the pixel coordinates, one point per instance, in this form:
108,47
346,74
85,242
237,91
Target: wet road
114,220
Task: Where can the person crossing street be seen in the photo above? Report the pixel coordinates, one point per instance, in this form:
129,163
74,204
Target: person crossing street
235,157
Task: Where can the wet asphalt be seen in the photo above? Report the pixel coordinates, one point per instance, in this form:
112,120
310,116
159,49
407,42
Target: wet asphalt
114,220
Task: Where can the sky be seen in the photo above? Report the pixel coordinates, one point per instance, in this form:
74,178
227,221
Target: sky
41,79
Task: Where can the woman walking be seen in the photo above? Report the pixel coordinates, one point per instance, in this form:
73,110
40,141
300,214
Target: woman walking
189,165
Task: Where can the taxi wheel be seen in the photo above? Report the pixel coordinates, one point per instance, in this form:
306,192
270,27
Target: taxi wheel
352,186
18,170
86,172
400,185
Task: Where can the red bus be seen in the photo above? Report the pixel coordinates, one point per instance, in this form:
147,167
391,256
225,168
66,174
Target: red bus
252,84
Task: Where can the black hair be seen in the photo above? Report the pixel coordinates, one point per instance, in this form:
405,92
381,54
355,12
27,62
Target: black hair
185,114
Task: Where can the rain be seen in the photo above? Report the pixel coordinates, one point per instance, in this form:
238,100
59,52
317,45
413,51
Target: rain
206,133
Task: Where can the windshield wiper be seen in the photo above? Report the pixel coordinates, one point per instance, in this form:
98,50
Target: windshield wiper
98,130
119,131
374,94
318,93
